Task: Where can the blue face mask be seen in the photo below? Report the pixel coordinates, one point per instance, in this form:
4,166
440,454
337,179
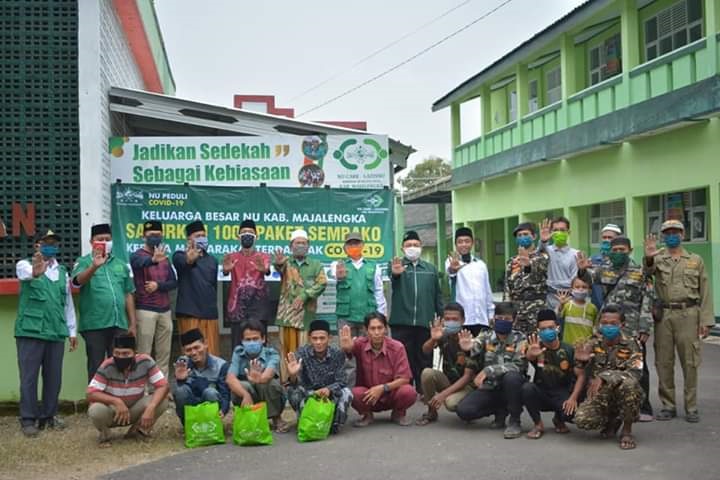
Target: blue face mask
252,347
610,332
672,240
49,251
452,327
503,326
524,241
154,240
202,243
605,247
548,335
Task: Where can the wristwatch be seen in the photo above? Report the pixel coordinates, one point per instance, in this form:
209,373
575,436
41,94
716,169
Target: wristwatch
386,389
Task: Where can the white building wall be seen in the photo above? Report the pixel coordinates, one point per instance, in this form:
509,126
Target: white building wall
105,60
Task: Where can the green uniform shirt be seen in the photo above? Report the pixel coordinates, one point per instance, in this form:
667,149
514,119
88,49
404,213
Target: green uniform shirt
102,298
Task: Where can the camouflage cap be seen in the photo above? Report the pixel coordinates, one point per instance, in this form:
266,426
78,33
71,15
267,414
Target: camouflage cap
668,224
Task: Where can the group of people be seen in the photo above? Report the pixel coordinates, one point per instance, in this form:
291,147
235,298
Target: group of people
581,322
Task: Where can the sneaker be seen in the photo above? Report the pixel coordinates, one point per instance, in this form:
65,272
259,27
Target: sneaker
30,430
513,430
666,414
54,423
692,417
498,423
646,417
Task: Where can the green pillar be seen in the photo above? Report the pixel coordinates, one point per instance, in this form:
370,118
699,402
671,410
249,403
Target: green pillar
485,110
442,247
713,270
567,66
712,27
579,227
630,48
507,228
484,236
635,224
454,129
521,80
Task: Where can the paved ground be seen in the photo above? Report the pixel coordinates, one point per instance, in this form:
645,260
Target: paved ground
666,450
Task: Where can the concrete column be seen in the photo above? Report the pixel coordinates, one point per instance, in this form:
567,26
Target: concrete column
509,244
484,235
567,66
630,47
635,224
712,27
714,238
485,110
521,80
455,125
442,247
579,227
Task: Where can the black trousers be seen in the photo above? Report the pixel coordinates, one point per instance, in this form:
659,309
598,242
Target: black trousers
507,397
34,354
538,399
413,338
645,383
98,347
476,329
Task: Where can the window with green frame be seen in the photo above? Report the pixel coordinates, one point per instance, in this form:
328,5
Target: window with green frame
673,27
604,60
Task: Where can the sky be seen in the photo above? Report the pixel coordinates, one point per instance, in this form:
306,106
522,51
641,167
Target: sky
219,48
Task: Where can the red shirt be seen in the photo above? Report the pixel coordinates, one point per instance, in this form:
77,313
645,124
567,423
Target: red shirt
386,366
247,282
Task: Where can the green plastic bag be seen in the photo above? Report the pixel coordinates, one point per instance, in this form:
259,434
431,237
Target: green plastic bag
316,419
203,425
250,425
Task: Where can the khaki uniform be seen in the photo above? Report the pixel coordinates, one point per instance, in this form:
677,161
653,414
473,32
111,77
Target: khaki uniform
682,288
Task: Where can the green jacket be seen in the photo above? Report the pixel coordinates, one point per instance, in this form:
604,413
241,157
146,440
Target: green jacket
41,310
355,296
415,295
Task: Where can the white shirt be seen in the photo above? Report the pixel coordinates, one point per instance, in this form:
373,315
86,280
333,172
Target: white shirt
378,287
562,265
473,291
23,270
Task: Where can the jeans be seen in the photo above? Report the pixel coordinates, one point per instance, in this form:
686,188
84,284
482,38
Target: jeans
483,402
184,395
538,399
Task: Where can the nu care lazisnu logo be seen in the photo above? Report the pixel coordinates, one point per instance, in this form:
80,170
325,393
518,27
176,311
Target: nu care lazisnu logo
354,154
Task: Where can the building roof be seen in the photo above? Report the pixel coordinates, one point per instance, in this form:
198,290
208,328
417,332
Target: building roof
534,44
155,114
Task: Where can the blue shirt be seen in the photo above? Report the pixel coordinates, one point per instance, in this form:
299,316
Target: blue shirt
269,358
213,375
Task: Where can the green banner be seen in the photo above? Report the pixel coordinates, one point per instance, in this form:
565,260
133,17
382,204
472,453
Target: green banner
326,214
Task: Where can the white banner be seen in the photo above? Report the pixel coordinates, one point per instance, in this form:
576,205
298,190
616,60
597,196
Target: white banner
338,161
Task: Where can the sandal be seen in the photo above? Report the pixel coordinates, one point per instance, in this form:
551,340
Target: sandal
666,414
363,421
426,419
627,442
535,433
281,426
610,429
560,427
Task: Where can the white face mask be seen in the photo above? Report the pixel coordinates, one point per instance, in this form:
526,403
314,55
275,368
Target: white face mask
412,253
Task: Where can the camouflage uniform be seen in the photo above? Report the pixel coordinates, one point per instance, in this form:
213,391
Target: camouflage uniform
620,367
527,289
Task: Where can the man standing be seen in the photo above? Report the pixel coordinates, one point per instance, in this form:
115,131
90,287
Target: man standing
470,282
303,281
556,385
415,302
107,304
499,357
383,373
248,297
359,286
318,369
117,392
614,363
154,278
197,271
451,384
622,282
562,266
253,374
685,316
526,279
199,375
46,317
602,258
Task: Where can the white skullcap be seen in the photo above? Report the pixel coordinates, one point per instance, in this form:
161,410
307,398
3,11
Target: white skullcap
611,227
298,234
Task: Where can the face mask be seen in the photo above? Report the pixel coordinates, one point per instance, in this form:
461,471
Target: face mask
502,326
610,332
579,294
412,253
123,363
524,241
672,240
560,239
299,250
548,335
252,347
49,251
153,240
247,240
466,258
618,259
605,247
452,327
202,243
354,252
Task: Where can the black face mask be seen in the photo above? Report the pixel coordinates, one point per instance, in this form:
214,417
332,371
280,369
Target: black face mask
247,241
123,363
466,258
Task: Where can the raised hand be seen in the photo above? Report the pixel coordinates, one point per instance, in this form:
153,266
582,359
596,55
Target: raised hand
39,264
191,253
651,249
340,271
181,370
98,258
583,262
523,257
294,364
254,373
397,267
436,329
280,257
465,340
455,264
545,230
259,263
229,263
535,349
583,352
346,341
563,296
159,254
